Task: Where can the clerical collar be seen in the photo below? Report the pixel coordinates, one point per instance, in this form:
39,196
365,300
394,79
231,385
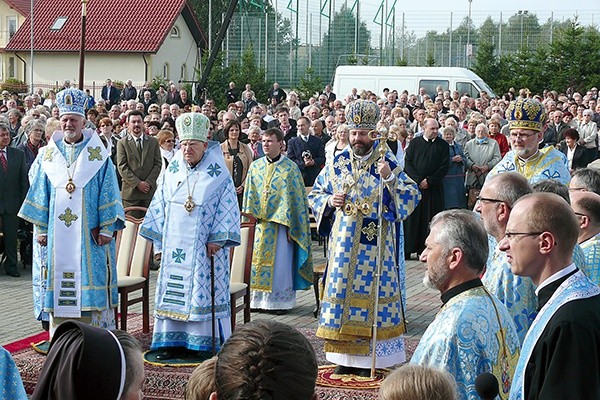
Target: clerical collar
530,158
75,142
463,287
429,140
555,277
274,160
545,293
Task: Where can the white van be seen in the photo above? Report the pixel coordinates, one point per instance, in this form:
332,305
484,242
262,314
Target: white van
376,78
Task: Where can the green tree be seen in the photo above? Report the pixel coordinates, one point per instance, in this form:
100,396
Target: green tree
486,63
310,84
339,41
430,59
573,56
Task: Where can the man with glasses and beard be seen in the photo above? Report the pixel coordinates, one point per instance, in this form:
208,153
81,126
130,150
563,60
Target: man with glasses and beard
526,120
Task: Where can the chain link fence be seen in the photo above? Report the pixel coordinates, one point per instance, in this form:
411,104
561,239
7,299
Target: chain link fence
382,35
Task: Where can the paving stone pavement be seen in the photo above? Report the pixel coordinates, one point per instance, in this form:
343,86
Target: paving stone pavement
17,320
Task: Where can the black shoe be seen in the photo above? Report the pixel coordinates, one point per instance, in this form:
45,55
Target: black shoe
363,372
164,355
280,312
343,370
14,274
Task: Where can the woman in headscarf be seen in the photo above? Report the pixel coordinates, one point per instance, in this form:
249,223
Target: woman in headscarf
85,362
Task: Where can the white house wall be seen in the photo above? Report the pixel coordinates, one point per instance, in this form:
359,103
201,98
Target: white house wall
176,52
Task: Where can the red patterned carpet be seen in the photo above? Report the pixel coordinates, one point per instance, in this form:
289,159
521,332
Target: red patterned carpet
168,383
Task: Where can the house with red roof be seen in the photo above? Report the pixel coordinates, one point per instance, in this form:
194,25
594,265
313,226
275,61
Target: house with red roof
135,40
12,16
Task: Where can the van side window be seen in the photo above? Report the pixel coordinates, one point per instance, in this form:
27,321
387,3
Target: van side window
467,87
430,85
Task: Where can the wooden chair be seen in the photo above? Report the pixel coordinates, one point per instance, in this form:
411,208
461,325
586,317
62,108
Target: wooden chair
241,266
133,262
323,240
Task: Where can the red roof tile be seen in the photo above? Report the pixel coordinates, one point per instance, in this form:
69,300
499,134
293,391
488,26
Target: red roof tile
111,26
23,7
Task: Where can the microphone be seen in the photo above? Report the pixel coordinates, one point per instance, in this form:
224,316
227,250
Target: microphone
486,386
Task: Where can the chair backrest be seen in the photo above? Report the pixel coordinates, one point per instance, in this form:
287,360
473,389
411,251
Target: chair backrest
133,251
241,256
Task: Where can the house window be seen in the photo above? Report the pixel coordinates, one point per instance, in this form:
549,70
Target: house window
182,76
11,25
11,67
174,32
166,71
58,24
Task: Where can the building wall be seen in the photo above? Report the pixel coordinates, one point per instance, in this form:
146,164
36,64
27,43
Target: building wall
175,53
50,69
9,16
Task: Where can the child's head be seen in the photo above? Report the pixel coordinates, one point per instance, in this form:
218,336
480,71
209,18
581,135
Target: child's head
415,382
266,360
202,381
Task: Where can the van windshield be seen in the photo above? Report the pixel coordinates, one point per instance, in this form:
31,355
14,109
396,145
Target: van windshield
483,86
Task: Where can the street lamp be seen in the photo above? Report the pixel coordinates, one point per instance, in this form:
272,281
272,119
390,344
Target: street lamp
522,13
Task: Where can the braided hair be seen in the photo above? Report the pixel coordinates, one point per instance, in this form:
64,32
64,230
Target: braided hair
266,360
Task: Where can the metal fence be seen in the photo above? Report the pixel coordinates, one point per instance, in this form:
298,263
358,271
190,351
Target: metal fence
327,35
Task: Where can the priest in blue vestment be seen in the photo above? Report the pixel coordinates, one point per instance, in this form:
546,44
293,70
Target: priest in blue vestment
473,332
345,201
560,357
587,208
75,206
194,216
496,200
527,122
282,261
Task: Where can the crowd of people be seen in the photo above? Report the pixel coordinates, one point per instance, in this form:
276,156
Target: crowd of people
513,282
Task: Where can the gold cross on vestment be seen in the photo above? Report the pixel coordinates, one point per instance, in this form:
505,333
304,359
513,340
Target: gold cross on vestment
48,155
68,217
94,153
370,230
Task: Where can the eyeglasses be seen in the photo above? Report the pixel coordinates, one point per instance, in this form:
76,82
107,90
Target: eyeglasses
169,141
479,198
511,235
580,214
522,135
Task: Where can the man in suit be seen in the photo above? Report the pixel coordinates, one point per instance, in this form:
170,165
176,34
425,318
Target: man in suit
556,129
138,162
13,188
307,151
129,91
277,93
110,94
284,123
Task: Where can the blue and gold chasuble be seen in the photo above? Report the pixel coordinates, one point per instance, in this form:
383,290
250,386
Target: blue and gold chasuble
274,193
575,287
74,190
183,290
548,163
591,251
517,293
348,300
473,333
